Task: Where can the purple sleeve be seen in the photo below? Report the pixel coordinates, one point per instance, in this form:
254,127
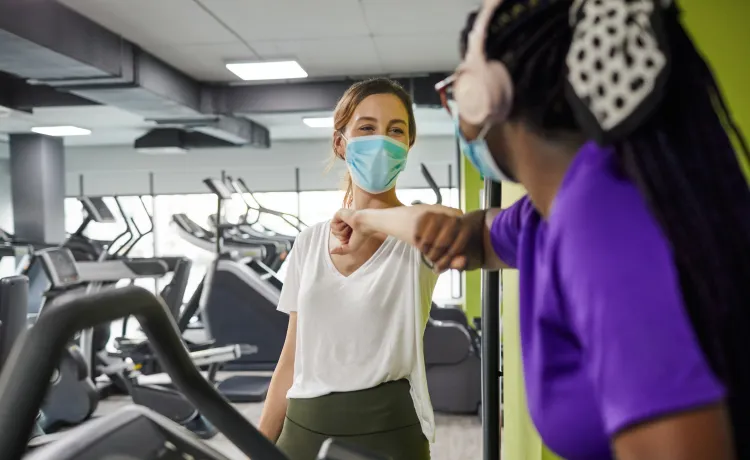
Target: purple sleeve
506,228
624,302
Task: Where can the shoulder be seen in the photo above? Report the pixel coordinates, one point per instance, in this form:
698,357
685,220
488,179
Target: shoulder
606,238
606,212
311,236
514,216
314,232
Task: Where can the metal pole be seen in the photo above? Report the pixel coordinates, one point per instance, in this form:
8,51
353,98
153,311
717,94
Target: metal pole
459,160
453,273
491,344
154,232
219,220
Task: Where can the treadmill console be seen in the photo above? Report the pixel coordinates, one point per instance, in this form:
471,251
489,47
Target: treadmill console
218,188
60,267
97,209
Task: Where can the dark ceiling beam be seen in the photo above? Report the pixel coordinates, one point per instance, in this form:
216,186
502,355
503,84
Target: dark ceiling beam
304,96
46,43
79,47
16,94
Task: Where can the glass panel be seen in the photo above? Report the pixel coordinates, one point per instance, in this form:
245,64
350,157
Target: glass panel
319,206
197,207
73,214
276,201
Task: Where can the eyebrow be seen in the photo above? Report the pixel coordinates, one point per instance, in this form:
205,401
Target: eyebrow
372,119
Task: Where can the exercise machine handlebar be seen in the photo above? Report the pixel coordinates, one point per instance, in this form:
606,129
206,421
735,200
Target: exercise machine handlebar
27,372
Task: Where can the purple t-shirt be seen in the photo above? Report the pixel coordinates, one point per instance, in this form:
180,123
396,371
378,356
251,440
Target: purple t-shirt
605,339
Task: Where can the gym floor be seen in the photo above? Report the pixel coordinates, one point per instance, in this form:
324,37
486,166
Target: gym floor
458,437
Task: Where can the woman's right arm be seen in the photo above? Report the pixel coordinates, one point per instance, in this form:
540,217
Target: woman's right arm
274,409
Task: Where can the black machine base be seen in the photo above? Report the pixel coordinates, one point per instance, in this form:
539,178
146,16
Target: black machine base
173,405
244,388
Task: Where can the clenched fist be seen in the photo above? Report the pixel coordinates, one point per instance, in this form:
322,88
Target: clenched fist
444,239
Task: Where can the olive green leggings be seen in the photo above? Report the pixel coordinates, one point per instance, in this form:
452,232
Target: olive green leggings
381,420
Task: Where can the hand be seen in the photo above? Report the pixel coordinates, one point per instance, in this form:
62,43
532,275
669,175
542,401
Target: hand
346,228
444,239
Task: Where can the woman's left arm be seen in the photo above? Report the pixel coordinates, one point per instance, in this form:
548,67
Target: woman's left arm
694,435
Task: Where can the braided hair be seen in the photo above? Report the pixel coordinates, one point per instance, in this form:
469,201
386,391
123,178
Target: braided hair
682,160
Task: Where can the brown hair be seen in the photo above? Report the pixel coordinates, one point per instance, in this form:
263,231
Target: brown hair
348,104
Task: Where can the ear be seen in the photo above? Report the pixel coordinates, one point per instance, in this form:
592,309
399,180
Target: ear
339,145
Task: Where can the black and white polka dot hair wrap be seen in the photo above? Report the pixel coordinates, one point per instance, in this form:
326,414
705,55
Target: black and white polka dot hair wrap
618,64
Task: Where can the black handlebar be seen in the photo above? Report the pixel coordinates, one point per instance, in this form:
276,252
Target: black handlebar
27,372
433,185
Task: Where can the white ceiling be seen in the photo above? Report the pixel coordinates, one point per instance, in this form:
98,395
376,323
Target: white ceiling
327,37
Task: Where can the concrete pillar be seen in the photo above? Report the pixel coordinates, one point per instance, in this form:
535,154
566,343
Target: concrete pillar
37,168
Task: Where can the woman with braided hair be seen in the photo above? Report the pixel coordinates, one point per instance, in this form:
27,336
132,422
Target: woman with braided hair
633,243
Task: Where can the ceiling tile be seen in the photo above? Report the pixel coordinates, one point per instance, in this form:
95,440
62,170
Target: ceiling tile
205,62
333,56
422,53
265,20
154,22
400,17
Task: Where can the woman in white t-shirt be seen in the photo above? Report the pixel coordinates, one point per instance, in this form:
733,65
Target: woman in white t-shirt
352,366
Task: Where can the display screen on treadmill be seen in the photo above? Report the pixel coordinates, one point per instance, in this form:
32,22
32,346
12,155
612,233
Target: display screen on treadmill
63,264
101,209
219,188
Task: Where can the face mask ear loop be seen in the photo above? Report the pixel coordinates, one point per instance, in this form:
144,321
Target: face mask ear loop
485,129
347,143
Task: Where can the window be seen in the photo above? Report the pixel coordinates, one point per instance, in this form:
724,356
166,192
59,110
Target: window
286,202
199,208
319,206
312,206
117,235
134,207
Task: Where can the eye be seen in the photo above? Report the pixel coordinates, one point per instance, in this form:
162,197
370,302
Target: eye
399,131
366,128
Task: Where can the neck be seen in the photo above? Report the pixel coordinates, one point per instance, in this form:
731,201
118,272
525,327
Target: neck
542,169
367,200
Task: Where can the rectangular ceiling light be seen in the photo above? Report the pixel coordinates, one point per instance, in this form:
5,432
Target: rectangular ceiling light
167,150
61,131
277,70
325,122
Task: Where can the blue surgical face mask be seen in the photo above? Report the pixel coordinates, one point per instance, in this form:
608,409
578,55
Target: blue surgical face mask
375,162
478,153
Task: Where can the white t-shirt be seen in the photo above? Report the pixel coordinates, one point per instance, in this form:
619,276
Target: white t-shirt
359,331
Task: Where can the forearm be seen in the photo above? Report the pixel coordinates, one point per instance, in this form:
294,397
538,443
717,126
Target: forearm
274,409
490,261
399,222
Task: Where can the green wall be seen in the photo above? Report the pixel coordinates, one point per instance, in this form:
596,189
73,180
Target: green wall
720,29
520,438
472,186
